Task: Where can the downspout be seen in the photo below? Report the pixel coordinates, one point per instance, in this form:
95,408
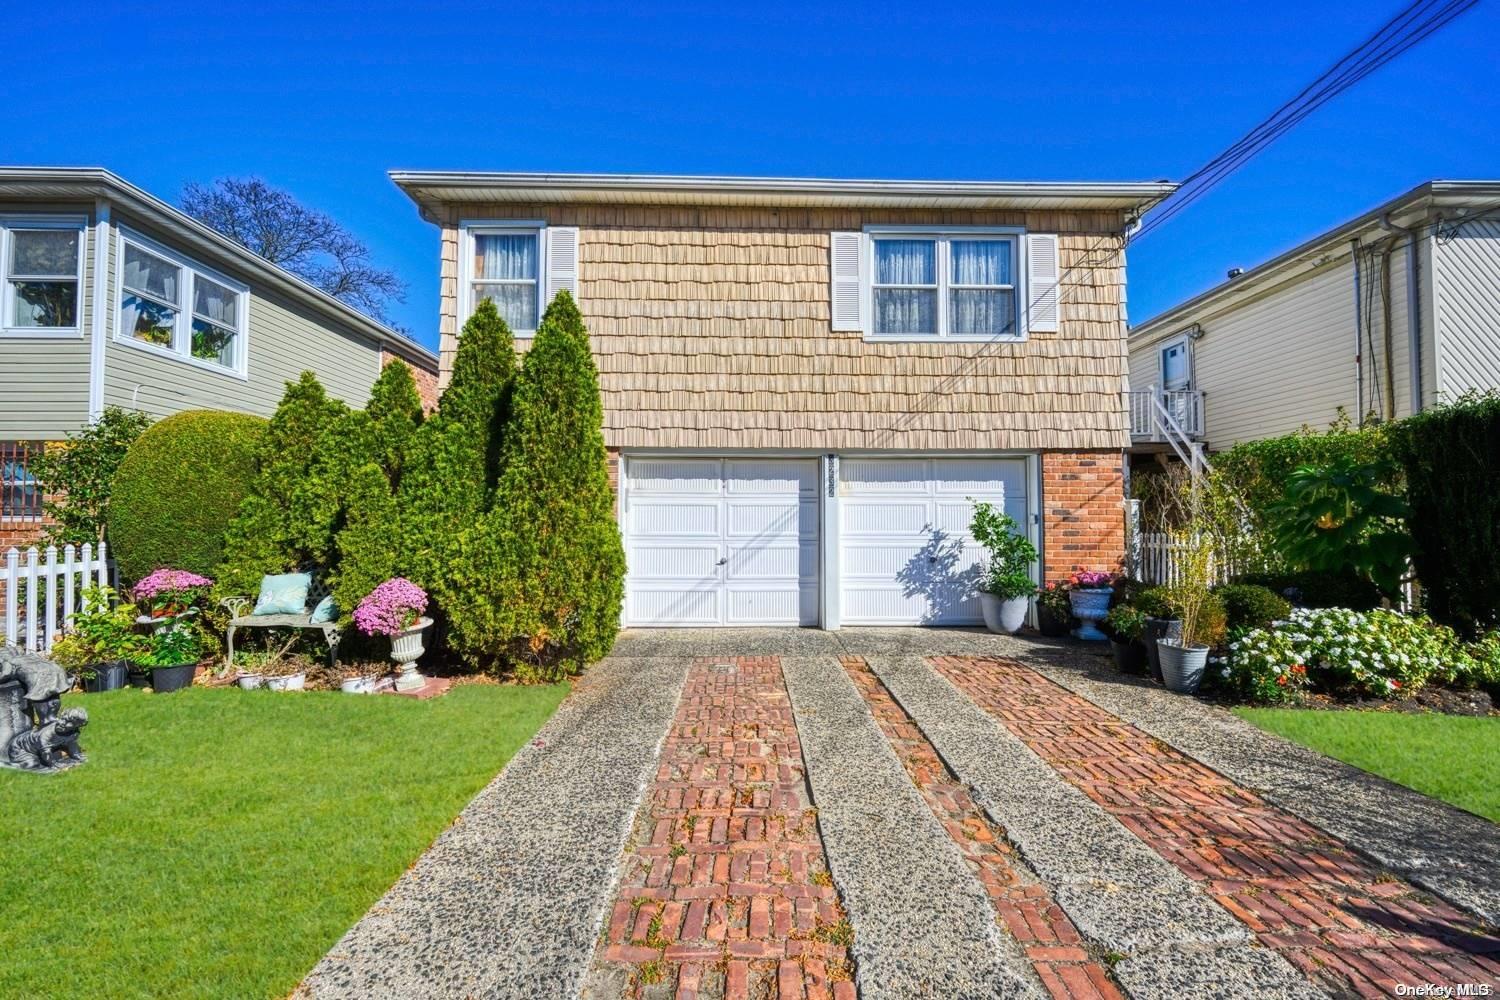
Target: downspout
1413,310
1359,326
99,307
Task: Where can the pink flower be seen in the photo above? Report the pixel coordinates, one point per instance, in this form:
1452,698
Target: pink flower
166,582
391,608
1085,578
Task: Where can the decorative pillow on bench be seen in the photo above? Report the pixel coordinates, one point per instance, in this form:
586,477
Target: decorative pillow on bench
285,594
325,612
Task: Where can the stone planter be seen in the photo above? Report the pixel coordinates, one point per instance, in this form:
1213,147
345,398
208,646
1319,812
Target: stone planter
358,685
1129,655
1155,630
1003,615
1181,666
290,682
406,649
1090,604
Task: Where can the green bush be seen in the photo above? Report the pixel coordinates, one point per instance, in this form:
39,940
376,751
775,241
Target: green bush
1125,623
1451,458
539,581
1247,605
1317,589
179,485
1154,603
1338,518
76,477
1008,568
368,554
1166,602
395,408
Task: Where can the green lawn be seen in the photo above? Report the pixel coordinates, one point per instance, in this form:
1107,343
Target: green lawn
218,842
1454,758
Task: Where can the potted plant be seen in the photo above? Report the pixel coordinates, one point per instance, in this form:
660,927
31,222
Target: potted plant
355,680
167,593
1161,622
1089,593
1006,589
284,673
172,658
100,641
1124,625
395,609
1054,610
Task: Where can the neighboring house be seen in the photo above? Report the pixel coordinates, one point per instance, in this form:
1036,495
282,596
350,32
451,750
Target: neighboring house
112,297
806,382
1329,326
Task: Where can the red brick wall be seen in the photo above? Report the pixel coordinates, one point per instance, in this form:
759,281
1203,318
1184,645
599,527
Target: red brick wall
427,382
613,458
1083,514
19,534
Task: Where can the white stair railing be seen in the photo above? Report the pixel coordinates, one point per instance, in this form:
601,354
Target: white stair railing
1188,450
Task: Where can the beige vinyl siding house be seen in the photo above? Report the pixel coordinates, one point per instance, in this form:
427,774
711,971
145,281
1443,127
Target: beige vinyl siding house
58,371
807,381
1383,316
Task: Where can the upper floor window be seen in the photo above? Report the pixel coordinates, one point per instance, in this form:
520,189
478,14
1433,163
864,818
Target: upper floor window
42,260
944,286
505,267
170,304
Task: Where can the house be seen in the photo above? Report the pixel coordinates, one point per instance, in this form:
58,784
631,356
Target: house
1382,316
112,297
807,382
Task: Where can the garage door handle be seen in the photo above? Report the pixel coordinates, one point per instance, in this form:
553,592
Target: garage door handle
724,560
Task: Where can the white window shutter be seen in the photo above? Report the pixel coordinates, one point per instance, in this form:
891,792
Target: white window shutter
562,261
1043,271
846,267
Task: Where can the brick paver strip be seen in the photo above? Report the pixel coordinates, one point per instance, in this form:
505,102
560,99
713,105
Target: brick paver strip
508,902
925,928
1338,918
1052,943
724,890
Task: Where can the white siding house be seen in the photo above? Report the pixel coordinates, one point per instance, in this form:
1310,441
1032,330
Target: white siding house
1327,327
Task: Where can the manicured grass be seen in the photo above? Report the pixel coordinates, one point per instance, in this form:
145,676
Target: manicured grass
1453,758
218,842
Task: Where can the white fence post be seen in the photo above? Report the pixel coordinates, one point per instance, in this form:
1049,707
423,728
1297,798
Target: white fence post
52,594
12,575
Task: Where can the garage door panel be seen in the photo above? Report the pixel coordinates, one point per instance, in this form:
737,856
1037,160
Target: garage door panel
747,477
765,606
874,517
953,517
880,561
675,475
674,518
674,606
769,562
971,476
756,519
883,475
667,561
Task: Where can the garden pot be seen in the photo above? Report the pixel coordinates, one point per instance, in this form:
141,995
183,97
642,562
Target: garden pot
290,682
1003,615
108,676
137,676
1090,604
1130,656
1158,628
358,685
164,679
249,682
406,648
1049,624
1181,666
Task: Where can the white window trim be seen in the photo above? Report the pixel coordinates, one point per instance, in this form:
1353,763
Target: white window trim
7,293
470,228
181,350
1161,362
943,235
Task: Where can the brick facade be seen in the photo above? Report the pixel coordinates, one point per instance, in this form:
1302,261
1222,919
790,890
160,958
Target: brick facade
1083,511
426,379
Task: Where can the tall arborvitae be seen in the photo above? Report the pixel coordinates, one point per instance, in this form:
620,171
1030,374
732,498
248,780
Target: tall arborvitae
541,577
396,408
367,550
451,467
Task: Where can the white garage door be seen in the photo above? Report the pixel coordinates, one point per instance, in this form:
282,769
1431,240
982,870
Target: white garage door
904,548
721,541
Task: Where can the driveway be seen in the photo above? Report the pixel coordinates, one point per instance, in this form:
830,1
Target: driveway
891,813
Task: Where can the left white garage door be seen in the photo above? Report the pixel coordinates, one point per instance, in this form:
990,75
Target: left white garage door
721,541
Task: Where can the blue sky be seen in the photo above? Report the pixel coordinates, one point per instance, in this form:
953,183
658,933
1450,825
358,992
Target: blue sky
323,98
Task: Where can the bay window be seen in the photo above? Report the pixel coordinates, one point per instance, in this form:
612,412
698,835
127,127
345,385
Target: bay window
170,304
42,260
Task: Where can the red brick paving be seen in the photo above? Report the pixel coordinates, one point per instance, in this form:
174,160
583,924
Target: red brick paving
725,889
1338,918
1052,943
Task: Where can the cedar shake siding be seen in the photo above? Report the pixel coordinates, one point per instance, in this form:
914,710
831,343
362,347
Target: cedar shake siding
711,328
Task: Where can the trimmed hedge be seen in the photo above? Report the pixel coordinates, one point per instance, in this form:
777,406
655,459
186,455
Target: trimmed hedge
1247,605
180,484
1315,589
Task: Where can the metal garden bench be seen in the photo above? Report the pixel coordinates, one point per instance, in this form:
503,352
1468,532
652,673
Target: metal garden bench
315,593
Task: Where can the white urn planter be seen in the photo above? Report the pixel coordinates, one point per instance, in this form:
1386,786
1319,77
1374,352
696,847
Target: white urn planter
1003,615
406,648
1090,605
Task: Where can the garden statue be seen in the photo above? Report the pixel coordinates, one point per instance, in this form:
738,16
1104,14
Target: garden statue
34,735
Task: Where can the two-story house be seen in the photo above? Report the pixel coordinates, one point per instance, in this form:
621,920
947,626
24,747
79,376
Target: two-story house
808,383
1382,316
111,297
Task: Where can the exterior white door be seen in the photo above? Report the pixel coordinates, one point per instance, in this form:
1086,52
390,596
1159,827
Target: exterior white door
721,541
905,556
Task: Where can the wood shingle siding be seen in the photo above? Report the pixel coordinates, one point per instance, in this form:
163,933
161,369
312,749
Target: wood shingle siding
711,329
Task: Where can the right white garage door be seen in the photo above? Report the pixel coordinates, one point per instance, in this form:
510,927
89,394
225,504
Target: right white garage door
905,556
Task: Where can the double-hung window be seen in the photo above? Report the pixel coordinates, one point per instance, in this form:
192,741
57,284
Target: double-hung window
172,305
945,285
42,259
504,266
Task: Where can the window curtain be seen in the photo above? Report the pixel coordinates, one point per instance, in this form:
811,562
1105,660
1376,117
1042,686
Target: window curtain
905,262
506,257
905,310
148,273
214,302
981,262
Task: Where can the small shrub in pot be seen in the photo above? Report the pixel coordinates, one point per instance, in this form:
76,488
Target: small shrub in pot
1055,610
1006,589
1124,625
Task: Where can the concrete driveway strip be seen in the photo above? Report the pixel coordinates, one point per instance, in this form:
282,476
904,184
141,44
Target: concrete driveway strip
509,901
923,926
1121,894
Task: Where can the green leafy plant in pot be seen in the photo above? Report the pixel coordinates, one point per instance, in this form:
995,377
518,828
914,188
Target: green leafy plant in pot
1162,622
1006,588
1199,610
1124,625
173,657
100,641
1054,610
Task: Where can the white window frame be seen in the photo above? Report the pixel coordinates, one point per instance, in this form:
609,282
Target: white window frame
7,293
470,228
181,350
943,237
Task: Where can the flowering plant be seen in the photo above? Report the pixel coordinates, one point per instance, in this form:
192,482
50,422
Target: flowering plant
167,591
391,608
1054,600
1087,579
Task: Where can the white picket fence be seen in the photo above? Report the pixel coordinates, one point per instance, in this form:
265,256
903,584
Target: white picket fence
1157,559
40,592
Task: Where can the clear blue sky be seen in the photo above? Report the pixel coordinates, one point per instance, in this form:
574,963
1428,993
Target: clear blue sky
323,98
